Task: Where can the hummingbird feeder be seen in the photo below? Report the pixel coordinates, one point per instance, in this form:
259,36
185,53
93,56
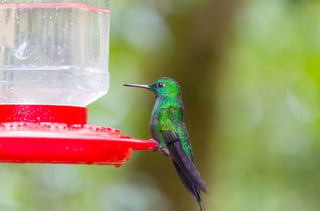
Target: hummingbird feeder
53,63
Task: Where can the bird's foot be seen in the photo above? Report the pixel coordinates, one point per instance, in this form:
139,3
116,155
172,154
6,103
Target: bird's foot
162,149
165,151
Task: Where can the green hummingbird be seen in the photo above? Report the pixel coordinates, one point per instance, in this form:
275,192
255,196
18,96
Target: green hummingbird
168,128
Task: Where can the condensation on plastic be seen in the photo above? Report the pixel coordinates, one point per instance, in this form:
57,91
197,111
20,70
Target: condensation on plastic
53,52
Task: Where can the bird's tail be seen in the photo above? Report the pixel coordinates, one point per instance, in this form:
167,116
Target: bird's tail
202,208
192,188
185,167
187,172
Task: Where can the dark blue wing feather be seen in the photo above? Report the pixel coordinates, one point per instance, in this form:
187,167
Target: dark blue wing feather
186,166
193,189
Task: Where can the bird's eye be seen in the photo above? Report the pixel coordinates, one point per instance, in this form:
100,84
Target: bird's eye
160,84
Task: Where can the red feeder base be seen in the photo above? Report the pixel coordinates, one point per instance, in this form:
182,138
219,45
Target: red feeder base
59,134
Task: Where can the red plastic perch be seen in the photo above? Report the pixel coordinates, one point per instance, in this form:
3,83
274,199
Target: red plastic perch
60,134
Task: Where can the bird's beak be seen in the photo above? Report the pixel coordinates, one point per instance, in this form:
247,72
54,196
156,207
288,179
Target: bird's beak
138,86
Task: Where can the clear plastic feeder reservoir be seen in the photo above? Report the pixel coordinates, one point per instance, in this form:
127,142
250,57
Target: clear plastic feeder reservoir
53,52
53,62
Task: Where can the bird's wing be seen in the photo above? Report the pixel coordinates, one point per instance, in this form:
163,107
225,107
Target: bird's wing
187,167
191,187
169,128
172,128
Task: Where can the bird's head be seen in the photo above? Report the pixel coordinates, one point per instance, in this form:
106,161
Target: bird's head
166,87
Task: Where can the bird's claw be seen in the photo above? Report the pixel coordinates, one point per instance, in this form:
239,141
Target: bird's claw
164,150
161,148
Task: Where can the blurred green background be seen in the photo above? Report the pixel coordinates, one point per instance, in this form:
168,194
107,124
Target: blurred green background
249,72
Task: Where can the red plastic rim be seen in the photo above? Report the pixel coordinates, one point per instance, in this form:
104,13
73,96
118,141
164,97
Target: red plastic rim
59,134
43,113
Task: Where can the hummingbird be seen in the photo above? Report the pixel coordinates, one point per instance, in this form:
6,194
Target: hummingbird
169,130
